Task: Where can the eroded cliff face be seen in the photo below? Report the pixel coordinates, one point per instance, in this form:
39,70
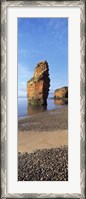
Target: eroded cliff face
61,96
38,86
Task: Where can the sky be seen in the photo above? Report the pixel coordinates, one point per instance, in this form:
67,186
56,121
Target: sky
42,39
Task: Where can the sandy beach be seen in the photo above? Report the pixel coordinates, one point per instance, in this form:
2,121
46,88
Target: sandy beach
40,132
43,130
29,142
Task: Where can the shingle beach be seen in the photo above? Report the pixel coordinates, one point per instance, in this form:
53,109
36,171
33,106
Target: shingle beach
43,146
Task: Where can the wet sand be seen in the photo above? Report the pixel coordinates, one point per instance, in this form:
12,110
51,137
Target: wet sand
29,142
43,131
47,121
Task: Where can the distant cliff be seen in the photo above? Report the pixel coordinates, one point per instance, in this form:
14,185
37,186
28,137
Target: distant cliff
61,95
38,85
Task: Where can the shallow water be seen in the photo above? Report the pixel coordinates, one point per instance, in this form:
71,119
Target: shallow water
24,109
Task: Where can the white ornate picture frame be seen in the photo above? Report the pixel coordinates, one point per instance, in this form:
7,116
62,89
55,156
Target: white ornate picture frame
4,157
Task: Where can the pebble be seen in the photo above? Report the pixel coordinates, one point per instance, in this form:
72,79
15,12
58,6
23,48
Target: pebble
44,165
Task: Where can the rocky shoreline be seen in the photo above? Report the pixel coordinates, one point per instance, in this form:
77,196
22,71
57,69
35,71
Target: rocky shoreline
44,165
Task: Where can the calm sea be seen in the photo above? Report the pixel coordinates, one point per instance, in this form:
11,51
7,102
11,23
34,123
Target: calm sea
24,109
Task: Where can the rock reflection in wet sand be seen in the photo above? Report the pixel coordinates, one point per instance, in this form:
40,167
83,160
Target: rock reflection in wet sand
31,109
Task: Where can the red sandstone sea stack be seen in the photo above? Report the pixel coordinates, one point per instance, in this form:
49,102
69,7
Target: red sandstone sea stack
38,85
61,96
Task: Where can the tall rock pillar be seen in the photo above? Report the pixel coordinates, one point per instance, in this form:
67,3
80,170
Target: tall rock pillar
38,85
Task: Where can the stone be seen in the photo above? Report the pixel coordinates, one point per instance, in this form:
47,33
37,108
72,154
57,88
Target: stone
61,92
61,96
59,101
38,85
44,165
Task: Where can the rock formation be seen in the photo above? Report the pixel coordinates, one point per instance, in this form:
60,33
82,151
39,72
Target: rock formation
61,96
38,85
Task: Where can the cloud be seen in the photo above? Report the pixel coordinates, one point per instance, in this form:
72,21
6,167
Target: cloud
26,53
24,72
59,30
22,93
56,23
23,52
23,83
